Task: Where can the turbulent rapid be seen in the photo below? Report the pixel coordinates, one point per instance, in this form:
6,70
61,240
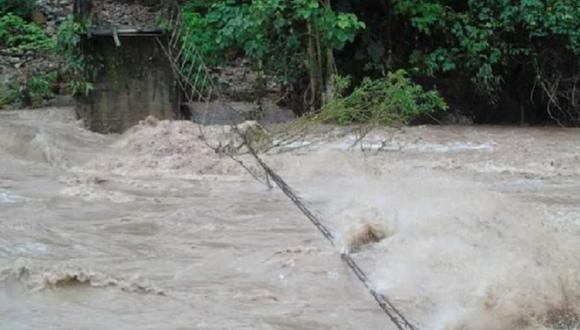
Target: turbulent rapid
463,228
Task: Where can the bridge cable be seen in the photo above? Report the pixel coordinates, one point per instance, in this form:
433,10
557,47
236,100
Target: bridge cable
190,89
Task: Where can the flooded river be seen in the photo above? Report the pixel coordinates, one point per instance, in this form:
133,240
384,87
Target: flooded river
480,229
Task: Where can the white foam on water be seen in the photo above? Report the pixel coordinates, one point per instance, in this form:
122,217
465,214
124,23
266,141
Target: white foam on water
451,250
457,256
8,197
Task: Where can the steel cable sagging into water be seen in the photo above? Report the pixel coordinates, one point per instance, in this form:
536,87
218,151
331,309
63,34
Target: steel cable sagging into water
394,314
196,83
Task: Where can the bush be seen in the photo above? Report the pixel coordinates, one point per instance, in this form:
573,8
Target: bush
393,100
283,40
21,8
18,35
79,70
29,92
481,38
526,51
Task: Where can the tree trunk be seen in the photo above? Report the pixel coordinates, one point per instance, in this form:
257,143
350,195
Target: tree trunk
314,68
331,70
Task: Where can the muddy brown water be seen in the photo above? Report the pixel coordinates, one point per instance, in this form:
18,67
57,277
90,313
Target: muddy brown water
152,230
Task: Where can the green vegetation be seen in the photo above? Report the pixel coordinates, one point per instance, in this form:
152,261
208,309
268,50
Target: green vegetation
497,60
18,35
393,100
483,38
520,52
287,40
79,69
22,8
29,92
525,54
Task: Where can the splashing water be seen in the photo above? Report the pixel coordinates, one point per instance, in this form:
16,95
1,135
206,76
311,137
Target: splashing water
463,228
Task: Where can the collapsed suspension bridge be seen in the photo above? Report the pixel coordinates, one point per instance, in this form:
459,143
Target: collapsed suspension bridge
198,87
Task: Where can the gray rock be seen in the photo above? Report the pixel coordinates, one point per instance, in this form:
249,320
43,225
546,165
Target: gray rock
50,30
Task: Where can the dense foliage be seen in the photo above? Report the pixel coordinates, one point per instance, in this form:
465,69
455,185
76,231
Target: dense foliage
31,91
392,100
295,40
284,39
516,55
22,8
79,69
496,60
17,35
511,60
